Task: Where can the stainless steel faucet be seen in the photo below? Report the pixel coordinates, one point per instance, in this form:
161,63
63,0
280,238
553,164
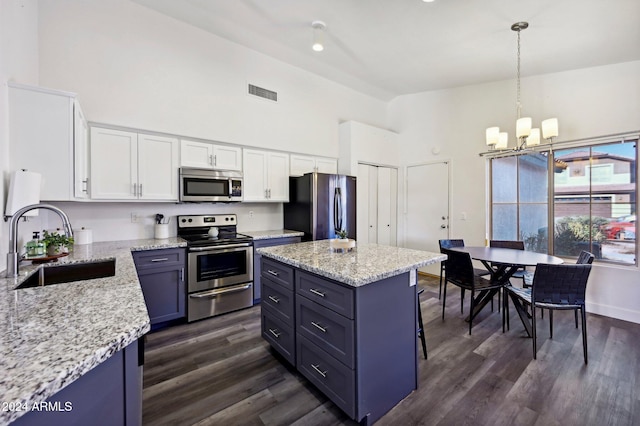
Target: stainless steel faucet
13,257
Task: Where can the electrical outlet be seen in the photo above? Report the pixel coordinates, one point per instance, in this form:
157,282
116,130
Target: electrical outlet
134,217
463,216
250,213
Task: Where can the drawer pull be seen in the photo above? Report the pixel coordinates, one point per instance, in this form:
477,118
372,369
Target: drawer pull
320,372
163,259
314,291
275,333
319,327
274,273
274,299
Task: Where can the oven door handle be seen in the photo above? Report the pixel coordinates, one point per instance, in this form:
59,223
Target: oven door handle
213,293
220,247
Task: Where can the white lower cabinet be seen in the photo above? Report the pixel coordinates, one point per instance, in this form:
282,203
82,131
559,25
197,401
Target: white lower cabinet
266,176
133,166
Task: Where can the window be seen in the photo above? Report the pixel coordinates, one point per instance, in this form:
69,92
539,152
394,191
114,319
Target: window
593,204
520,200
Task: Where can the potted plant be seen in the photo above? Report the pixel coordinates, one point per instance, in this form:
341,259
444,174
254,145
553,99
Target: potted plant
342,243
56,242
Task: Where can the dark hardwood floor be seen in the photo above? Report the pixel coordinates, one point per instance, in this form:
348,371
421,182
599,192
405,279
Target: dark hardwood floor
220,371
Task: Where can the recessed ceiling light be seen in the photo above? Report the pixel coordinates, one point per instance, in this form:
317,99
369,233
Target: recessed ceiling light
318,35
428,1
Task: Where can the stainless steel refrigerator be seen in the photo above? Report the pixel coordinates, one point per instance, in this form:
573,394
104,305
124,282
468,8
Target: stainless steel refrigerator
320,205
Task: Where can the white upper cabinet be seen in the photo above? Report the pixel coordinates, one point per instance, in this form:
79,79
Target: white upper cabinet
45,128
206,155
133,166
301,164
266,176
157,167
81,153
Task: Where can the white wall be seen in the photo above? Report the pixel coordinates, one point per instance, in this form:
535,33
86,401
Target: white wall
112,221
588,103
132,66
18,61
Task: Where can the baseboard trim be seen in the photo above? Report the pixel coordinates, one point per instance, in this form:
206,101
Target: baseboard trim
614,312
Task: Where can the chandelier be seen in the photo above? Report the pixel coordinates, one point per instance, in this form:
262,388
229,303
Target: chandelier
526,136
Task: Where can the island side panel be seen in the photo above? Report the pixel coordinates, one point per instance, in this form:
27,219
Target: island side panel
386,345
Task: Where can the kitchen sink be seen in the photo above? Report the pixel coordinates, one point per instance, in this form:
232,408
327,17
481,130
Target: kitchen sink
70,272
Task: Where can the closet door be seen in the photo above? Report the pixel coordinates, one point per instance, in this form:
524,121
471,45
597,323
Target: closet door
377,204
387,193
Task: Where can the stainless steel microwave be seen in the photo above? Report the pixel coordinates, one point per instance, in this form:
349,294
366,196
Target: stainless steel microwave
204,185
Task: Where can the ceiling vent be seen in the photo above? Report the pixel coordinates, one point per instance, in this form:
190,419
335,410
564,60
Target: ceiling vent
263,93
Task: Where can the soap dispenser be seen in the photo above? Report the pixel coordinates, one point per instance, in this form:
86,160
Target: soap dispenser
35,247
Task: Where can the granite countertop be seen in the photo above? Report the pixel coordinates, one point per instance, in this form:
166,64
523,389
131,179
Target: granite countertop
275,233
52,335
364,264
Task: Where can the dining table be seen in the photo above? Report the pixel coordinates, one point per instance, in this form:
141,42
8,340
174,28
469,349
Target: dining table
502,263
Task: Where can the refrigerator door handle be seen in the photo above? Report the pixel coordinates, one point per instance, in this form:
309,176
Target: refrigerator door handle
337,210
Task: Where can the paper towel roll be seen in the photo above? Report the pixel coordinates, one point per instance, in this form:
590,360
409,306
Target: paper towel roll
24,190
82,236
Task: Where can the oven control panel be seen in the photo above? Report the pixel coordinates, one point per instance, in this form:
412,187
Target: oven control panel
194,221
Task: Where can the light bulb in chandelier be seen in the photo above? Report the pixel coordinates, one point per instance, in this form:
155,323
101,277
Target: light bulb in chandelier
523,127
550,128
492,135
503,140
534,137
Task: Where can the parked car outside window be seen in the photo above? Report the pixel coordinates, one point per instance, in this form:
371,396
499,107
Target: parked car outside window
622,228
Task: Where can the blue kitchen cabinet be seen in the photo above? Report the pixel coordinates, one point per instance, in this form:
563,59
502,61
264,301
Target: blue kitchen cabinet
162,278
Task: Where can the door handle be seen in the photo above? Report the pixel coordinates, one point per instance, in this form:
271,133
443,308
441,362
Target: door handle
443,226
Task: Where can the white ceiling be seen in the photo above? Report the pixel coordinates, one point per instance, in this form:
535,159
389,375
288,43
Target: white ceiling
392,47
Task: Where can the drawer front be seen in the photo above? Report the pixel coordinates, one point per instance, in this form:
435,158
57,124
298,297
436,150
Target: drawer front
333,378
279,299
277,272
327,329
327,293
278,334
158,258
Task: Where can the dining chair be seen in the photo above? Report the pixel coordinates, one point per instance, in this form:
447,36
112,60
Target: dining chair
555,287
585,258
459,271
446,244
421,335
521,273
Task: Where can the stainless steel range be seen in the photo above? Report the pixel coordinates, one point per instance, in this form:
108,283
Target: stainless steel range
219,265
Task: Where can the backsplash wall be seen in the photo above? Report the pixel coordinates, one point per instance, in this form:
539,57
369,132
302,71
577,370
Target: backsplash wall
112,221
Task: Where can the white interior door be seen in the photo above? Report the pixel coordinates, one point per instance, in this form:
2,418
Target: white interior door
362,201
372,208
384,205
387,194
427,207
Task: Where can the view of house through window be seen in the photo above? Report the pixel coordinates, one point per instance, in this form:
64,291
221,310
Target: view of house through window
593,206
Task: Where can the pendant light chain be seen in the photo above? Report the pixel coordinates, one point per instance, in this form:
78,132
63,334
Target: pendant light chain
518,104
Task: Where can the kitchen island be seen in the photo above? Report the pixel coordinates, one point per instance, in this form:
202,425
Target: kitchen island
346,320
56,335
